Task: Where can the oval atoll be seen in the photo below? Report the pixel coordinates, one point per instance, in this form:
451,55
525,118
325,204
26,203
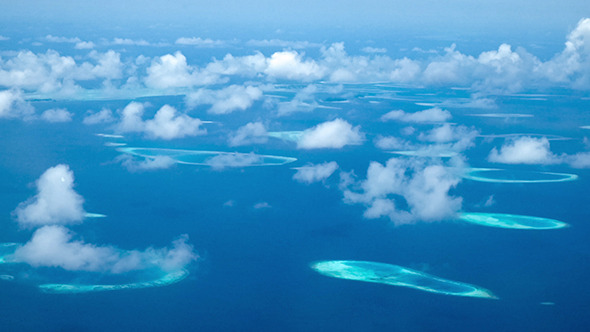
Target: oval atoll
395,275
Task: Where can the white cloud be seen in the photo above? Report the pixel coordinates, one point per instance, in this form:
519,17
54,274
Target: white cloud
52,73
579,160
289,65
3,38
167,123
57,115
172,71
225,160
226,100
281,43
105,115
127,41
429,115
56,201
54,246
251,133
200,42
331,134
370,49
84,45
388,189
315,173
524,150
302,102
13,105
460,136
262,205
148,164
392,143
80,44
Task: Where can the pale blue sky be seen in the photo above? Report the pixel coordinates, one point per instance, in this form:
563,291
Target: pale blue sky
420,16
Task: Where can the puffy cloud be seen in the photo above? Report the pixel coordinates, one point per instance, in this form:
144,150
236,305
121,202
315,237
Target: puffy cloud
13,105
429,115
302,102
579,160
315,173
392,143
57,115
54,246
56,201
331,134
227,100
289,65
524,150
80,44
572,65
225,160
405,190
51,72
172,71
105,115
148,164
461,137
167,123
251,133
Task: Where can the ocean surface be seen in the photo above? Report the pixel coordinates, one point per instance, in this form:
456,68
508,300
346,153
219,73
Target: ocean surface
254,268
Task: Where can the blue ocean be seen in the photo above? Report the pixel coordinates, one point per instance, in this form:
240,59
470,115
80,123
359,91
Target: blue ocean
257,231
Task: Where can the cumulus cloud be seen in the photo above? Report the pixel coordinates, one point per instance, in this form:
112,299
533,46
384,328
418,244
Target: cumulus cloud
55,246
524,150
405,191
13,105
105,115
303,101
315,173
290,65
52,73
226,100
56,201
459,138
392,143
147,164
57,115
579,160
172,71
251,133
167,123
331,134
235,159
429,115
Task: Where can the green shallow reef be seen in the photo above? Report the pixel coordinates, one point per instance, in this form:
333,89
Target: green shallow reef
165,280
395,275
153,278
496,175
512,221
208,158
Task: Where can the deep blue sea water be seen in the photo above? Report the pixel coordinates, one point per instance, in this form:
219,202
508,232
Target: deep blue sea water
253,273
